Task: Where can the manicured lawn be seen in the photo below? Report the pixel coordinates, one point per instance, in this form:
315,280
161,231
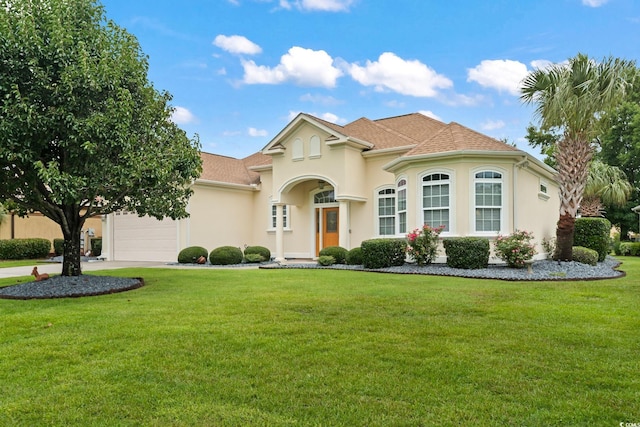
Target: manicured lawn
308,347
21,262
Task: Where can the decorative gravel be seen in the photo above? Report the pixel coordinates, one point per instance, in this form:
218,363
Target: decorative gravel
74,286
541,270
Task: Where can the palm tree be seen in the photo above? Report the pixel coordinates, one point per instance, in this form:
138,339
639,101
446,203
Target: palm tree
571,98
606,185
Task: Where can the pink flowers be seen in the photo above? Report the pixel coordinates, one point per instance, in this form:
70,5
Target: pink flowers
423,243
516,248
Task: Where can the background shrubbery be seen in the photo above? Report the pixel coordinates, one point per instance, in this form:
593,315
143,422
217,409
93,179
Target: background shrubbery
354,256
24,248
585,255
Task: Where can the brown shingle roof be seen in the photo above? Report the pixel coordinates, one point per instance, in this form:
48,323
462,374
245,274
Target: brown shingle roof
227,169
455,137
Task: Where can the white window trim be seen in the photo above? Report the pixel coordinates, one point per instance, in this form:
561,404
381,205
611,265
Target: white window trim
297,150
405,187
377,210
271,228
312,154
543,195
472,200
452,200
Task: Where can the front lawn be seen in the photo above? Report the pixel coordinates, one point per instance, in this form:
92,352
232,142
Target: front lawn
325,347
21,262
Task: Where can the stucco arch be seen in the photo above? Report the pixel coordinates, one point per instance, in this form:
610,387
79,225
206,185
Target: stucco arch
286,195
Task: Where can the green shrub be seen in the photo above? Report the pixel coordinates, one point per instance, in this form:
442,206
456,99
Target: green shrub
225,255
96,246
381,253
58,246
326,260
354,256
585,255
515,249
337,252
593,233
423,244
467,252
630,248
253,258
265,253
24,248
191,254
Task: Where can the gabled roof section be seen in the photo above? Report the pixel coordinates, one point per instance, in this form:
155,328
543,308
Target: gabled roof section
455,137
275,145
227,169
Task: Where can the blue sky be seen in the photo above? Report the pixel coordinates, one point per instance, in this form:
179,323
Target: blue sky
240,70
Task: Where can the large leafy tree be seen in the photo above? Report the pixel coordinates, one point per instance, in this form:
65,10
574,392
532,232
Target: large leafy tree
570,99
620,145
82,130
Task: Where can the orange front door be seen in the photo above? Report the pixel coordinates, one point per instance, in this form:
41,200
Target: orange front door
327,226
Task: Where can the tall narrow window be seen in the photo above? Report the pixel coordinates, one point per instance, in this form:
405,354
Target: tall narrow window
488,201
297,152
402,206
285,216
435,200
387,212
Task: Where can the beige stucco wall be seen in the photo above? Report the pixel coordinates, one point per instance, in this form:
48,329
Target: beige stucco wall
219,216
37,225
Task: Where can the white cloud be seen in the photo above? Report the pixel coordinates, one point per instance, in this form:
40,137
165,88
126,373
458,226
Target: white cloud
492,125
237,44
541,64
304,67
318,5
500,74
182,116
257,132
429,113
594,3
407,77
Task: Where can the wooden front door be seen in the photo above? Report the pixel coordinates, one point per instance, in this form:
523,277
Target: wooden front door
327,226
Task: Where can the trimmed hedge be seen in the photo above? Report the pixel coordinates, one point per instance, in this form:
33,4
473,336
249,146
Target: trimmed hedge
585,255
593,233
467,252
381,253
253,258
24,248
190,255
337,252
226,255
630,248
58,246
354,256
326,260
96,246
265,253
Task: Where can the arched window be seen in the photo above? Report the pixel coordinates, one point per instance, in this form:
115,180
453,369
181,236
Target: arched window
402,205
386,212
436,200
488,201
327,196
314,147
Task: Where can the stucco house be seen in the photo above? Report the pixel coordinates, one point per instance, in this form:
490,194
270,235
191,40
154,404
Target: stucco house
318,184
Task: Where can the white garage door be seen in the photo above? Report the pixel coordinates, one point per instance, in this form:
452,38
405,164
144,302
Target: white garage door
144,239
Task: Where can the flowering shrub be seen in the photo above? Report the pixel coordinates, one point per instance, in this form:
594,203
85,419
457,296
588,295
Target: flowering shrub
516,248
423,244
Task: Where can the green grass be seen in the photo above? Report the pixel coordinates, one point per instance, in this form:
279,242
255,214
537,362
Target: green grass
21,262
331,348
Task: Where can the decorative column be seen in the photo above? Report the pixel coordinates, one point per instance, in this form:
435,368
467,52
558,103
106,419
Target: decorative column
279,233
345,227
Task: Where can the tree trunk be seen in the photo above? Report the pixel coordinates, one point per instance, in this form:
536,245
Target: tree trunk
71,252
564,237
